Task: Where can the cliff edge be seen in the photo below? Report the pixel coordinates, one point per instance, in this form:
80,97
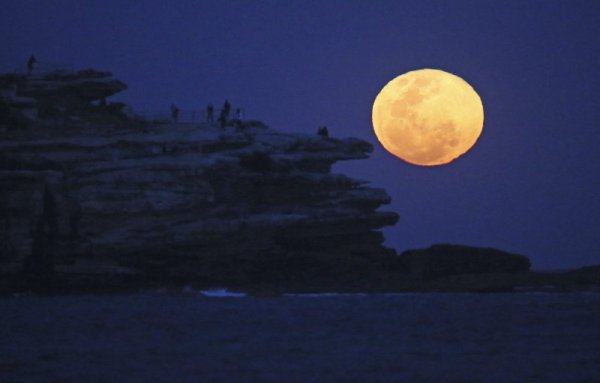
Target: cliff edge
94,199
177,203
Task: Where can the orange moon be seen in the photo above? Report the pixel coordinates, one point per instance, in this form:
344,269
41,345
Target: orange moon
427,117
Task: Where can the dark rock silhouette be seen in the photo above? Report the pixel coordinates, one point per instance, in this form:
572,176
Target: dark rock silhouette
197,206
41,262
59,97
172,204
70,88
94,208
444,260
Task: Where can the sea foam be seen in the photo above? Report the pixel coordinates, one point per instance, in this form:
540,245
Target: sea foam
222,293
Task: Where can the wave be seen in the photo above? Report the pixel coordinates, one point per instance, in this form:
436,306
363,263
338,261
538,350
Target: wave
325,295
356,295
222,293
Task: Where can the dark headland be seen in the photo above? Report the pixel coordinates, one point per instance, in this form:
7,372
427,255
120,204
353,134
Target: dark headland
96,199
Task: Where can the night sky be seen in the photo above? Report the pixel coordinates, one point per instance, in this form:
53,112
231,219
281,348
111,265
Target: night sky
530,184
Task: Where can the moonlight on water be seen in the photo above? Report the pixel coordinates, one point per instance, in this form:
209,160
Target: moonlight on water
427,117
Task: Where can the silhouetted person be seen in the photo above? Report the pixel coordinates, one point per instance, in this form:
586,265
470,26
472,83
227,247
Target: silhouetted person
174,113
210,110
238,114
226,109
323,132
30,63
224,115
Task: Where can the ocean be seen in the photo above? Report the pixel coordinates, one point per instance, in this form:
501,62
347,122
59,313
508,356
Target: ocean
214,337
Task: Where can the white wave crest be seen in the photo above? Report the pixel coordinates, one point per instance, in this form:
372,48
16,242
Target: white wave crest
222,293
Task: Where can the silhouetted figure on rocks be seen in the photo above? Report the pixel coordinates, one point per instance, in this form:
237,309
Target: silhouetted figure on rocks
226,109
30,63
323,132
224,115
237,120
210,110
174,113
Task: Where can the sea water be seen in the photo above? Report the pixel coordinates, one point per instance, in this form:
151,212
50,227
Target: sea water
196,337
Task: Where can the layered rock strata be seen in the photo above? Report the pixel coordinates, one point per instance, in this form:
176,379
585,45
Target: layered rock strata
190,204
94,200
59,99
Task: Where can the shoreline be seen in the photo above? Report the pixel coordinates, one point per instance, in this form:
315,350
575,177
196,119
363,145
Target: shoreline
584,280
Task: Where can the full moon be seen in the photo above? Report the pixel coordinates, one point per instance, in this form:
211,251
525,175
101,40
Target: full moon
427,117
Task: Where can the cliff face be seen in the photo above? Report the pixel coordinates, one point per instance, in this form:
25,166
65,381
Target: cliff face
93,199
191,204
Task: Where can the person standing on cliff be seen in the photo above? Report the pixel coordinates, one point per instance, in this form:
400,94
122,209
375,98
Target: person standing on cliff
226,109
323,131
30,63
174,113
224,115
237,120
210,113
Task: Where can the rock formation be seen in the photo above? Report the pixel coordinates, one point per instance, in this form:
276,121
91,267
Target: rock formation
92,200
444,260
185,204
59,98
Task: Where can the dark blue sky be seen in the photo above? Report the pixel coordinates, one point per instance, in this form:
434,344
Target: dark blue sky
530,185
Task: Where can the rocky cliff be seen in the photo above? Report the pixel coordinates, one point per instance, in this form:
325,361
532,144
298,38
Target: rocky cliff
182,203
60,100
93,200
